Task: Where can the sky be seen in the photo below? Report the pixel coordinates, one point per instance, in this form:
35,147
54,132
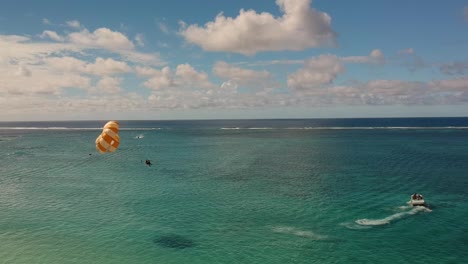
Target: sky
243,59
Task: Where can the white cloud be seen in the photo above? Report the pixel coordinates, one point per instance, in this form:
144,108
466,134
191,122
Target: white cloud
376,56
107,67
185,76
101,67
29,106
146,71
299,28
52,35
37,74
14,49
38,80
159,79
13,39
109,85
74,24
229,85
192,78
241,76
65,64
316,72
101,38
29,67
20,47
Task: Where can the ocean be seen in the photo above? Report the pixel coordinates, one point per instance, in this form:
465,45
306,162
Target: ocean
235,191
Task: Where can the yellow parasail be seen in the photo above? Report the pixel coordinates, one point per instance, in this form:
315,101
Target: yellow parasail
109,139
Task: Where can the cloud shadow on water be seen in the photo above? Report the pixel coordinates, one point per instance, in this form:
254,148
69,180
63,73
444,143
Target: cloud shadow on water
174,241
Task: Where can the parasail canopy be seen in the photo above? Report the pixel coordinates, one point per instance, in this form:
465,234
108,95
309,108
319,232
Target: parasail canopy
109,139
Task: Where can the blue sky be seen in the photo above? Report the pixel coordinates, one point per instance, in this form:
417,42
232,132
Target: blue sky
75,60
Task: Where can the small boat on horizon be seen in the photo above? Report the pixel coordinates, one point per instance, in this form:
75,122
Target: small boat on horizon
417,200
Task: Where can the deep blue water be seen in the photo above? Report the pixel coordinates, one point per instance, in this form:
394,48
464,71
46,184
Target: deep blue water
235,191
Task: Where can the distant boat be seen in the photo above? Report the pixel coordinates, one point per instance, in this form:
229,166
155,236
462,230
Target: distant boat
417,200
139,136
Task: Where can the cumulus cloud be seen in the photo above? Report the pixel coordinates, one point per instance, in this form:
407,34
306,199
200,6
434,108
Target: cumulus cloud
38,81
14,49
146,71
160,79
107,67
192,78
185,76
101,67
37,74
33,67
240,76
101,38
109,85
21,47
65,64
316,72
299,28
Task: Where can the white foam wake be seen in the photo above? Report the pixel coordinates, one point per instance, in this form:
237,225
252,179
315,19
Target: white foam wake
389,219
298,232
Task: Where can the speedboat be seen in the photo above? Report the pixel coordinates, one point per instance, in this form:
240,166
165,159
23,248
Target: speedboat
417,200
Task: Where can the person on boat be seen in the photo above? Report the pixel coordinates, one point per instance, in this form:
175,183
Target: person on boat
414,196
148,162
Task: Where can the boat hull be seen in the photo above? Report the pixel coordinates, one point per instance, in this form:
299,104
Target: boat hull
417,202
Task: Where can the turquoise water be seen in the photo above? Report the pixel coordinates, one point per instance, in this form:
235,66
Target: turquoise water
233,193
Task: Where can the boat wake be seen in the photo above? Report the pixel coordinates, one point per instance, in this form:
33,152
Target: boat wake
394,217
298,232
